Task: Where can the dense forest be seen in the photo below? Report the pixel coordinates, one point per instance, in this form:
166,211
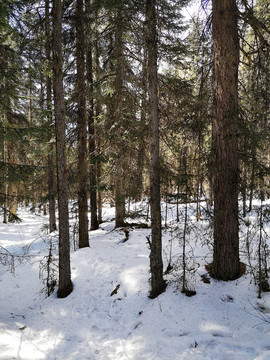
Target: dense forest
124,102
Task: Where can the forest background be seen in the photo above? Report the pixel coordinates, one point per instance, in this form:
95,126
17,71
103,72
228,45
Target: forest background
118,101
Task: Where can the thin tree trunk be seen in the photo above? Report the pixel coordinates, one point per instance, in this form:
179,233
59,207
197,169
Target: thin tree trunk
92,142
82,127
97,114
226,265
51,173
5,218
12,188
252,182
117,110
158,285
141,150
244,191
65,284
119,196
98,165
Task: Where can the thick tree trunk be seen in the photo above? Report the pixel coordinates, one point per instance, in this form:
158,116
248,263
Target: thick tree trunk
65,284
158,285
82,127
226,265
51,172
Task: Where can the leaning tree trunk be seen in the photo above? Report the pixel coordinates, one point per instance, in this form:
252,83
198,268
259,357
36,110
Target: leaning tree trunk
226,265
82,128
158,285
65,284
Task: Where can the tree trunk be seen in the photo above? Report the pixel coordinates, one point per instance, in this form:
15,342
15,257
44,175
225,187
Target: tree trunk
226,265
141,149
92,140
119,196
82,127
244,191
98,165
51,173
65,284
97,113
5,204
158,285
12,187
252,182
117,111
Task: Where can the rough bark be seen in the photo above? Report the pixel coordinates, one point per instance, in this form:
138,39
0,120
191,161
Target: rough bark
82,127
65,284
226,265
158,285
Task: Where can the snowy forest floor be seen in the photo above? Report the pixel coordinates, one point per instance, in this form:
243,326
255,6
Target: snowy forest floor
223,321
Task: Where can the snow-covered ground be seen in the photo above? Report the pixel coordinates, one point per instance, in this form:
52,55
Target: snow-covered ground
223,321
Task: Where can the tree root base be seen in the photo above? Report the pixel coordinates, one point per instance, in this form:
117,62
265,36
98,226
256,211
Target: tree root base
209,269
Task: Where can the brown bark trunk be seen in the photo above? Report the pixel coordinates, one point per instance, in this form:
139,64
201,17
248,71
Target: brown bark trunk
117,110
82,128
98,164
158,284
252,182
65,284
92,141
119,196
97,113
5,204
226,264
10,189
98,167
141,150
12,186
51,172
